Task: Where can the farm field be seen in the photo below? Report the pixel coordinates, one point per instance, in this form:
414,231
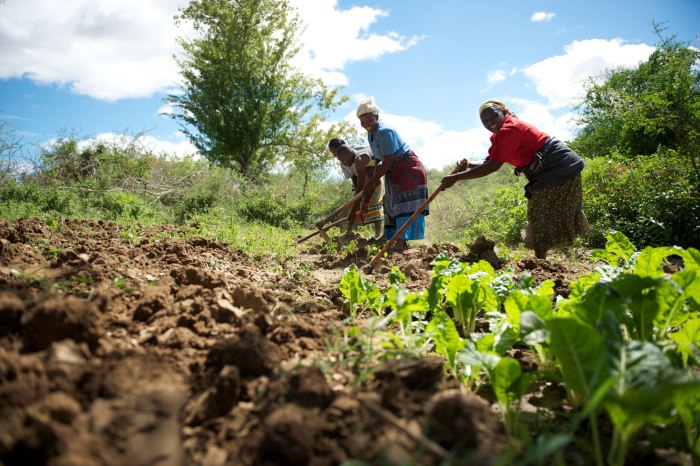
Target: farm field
151,348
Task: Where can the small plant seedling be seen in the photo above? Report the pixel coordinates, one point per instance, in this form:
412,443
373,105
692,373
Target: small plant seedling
131,236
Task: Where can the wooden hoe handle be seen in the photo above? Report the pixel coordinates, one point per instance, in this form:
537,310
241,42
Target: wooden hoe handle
341,208
369,267
324,229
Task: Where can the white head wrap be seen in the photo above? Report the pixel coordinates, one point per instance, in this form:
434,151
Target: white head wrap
367,106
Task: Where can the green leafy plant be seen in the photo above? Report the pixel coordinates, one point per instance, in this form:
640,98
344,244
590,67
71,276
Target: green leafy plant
359,290
131,236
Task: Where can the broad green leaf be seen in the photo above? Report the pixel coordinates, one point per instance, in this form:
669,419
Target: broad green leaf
618,248
689,412
485,342
533,330
441,329
408,303
486,299
688,338
520,301
396,276
619,245
581,354
470,356
643,302
649,262
460,296
502,287
507,380
443,271
526,281
689,282
691,259
546,288
372,294
350,287
442,264
579,287
673,310
647,387
389,298
504,337
360,290
481,266
602,307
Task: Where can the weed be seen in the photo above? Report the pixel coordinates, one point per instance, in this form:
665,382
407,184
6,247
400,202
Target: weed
122,283
131,236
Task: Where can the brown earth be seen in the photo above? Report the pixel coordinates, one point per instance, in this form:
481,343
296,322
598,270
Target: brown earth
168,351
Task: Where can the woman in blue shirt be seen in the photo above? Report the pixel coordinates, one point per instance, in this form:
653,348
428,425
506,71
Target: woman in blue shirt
405,180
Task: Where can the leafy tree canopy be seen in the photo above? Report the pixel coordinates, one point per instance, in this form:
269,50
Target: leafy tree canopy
243,105
637,111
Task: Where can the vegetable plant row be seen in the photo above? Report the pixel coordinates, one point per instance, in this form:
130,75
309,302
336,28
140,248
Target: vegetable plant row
624,343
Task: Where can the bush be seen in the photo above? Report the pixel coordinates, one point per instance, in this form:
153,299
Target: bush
115,205
194,203
503,218
653,200
44,199
260,205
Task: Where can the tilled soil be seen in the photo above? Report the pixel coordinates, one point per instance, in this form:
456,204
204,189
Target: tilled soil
159,351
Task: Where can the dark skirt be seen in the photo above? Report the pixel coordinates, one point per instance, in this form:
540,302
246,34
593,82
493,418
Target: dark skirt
555,215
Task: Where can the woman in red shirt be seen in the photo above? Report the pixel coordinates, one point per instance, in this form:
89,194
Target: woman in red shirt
553,171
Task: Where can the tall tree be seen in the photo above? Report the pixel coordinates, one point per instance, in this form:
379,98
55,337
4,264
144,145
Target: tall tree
637,111
243,105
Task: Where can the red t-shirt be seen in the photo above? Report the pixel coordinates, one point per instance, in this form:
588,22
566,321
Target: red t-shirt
516,143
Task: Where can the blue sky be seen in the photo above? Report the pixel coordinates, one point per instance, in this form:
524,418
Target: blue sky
99,68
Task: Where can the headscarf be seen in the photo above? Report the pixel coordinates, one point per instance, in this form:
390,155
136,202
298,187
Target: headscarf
367,106
495,103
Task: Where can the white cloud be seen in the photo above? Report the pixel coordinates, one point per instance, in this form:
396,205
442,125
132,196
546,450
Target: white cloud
106,50
560,78
494,77
540,16
112,50
166,109
334,38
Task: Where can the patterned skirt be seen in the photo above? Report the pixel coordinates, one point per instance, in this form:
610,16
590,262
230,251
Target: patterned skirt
555,215
374,210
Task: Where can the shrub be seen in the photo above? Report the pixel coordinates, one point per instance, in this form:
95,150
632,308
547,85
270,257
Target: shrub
503,217
45,199
653,200
115,205
260,205
194,203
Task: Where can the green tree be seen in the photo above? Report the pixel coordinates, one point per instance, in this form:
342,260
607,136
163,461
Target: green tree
243,105
637,111
11,153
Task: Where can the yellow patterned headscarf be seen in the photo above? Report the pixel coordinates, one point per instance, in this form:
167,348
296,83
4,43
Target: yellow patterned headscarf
494,103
